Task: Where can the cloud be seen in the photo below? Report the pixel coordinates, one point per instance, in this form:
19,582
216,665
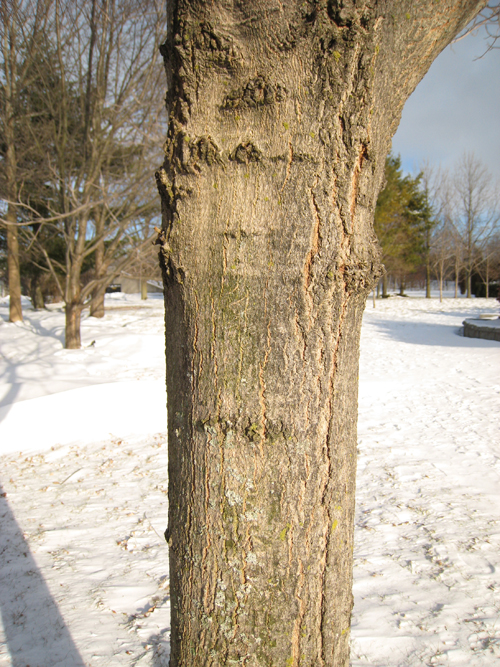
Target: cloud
455,108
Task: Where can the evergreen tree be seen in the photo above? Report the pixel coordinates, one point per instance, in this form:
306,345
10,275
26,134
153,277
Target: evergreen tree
403,220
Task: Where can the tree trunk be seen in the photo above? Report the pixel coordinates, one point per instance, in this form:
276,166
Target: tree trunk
402,285
13,269
36,294
280,123
72,330
385,293
10,82
144,289
73,301
469,284
428,280
97,302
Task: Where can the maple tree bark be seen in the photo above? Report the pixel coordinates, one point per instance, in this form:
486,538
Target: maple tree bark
281,115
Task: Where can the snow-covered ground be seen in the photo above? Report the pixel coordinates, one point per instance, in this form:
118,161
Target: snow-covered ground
83,475
83,507
427,554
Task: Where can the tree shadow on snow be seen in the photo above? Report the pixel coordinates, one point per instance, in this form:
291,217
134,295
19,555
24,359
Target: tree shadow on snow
161,649
12,382
38,326
420,333
35,632
11,370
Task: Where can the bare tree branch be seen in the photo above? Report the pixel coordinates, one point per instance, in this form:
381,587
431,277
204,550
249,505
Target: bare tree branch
489,19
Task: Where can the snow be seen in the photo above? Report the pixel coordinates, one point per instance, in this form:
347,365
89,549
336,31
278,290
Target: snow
487,324
83,473
83,504
427,541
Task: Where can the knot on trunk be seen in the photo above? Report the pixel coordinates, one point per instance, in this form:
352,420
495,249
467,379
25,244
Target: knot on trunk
203,44
361,276
187,155
345,14
256,93
205,150
245,153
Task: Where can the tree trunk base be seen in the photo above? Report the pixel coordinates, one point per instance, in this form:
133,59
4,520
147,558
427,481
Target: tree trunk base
15,308
97,303
72,330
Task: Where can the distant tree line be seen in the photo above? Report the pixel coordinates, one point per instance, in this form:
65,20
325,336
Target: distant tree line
81,104
440,226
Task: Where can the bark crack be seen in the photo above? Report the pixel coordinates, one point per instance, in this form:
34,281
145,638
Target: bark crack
300,616
328,462
288,165
363,154
314,250
242,335
262,382
213,354
195,344
299,332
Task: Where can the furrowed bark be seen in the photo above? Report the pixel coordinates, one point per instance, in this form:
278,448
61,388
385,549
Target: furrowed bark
281,118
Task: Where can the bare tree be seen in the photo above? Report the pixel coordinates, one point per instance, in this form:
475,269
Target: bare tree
21,23
476,211
488,266
489,19
103,102
433,181
442,251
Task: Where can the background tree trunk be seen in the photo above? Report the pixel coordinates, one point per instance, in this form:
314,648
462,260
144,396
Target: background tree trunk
385,293
468,282
9,48
36,293
487,279
428,280
402,285
14,273
72,328
97,302
281,118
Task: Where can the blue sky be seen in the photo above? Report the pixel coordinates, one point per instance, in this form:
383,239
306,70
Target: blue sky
455,108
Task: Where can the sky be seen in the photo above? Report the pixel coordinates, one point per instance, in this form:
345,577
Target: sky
455,108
